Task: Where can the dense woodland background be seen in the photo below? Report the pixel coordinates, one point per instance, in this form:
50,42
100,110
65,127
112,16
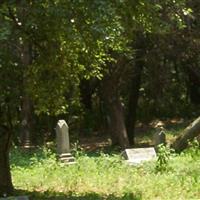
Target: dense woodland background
100,65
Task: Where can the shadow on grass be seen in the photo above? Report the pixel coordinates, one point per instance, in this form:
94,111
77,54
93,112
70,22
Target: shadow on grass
22,157
70,196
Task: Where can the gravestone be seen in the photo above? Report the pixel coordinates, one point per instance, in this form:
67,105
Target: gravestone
159,138
138,155
63,144
15,198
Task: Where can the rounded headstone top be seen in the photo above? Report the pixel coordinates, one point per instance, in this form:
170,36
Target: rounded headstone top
159,124
62,123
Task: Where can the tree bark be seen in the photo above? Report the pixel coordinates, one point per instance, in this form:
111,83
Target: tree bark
194,83
116,121
133,101
86,94
26,111
26,137
135,86
6,186
192,131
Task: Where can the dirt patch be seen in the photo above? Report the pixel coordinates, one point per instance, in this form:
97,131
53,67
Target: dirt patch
143,132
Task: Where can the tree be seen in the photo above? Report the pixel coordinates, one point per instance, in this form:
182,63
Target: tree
111,91
52,46
138,19
6,187
188,134
134,93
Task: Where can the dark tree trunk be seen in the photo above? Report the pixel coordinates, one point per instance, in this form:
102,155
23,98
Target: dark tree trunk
116,121
135,87
133,101
26,107
6,187
86,94
194,83
192,131
26,136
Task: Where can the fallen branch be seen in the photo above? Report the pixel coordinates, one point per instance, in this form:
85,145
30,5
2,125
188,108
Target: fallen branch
192,131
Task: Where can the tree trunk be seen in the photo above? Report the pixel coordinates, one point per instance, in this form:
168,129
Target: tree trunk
192,131
26,137
135,86
194,83
6,187
116,120
26,111
133,101
86,94
117,123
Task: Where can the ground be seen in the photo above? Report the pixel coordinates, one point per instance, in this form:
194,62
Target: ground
100,172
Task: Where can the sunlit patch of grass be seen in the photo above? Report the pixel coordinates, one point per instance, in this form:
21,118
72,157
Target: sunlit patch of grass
104,176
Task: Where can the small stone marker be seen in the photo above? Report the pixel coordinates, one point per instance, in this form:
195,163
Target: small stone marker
139,155
15,198
63,144
159,138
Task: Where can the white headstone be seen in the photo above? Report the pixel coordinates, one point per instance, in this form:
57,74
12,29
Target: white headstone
139,155
63,144
62,136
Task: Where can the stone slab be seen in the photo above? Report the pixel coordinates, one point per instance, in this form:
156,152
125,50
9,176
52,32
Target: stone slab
67,158
139,155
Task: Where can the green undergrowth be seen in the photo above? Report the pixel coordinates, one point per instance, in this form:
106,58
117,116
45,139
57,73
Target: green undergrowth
106,176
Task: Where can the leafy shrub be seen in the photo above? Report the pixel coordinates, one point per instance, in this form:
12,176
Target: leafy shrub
164,153
194,148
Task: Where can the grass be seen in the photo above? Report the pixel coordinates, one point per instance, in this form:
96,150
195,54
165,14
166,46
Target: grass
104,176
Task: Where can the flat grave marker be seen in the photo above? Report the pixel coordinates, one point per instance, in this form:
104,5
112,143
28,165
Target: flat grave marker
138,155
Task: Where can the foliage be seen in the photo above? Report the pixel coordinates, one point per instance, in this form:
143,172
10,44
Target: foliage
48,47
69,45
194,147
164,153
75,40
103,176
